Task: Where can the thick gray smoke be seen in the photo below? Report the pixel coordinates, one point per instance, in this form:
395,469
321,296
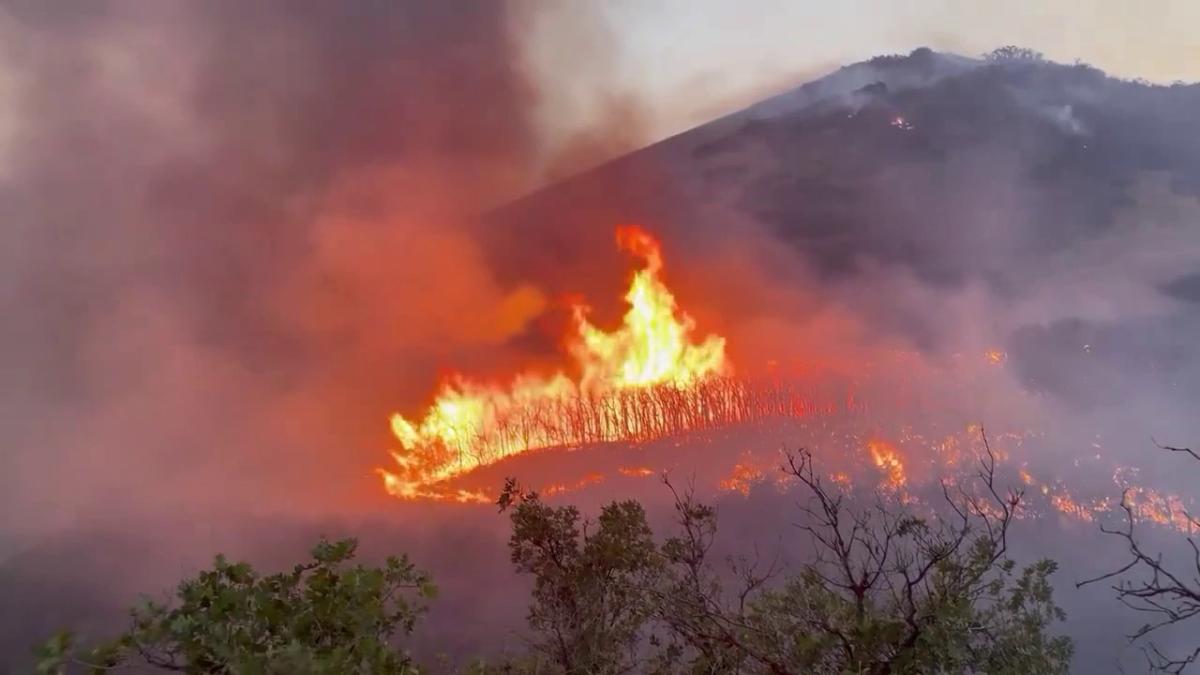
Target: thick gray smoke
234,241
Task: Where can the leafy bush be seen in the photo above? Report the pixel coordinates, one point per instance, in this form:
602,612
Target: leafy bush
323,616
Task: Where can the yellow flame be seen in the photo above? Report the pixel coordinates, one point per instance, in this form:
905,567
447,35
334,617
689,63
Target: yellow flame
652,346
470,425
888,460
742,479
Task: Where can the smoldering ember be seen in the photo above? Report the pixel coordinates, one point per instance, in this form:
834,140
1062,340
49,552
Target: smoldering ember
599,338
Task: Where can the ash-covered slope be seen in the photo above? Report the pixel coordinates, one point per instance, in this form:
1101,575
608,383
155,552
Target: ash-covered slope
1065,197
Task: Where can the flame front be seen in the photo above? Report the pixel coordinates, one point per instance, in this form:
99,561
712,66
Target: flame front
653,345
650,378
643,364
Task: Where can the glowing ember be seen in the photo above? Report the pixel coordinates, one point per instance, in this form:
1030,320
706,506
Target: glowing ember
743,478
650,379
1166,510
887,459
559,488
841,479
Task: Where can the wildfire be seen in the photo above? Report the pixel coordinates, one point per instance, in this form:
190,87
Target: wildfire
887,458
652,378
558,488
628,378
653,345
742,479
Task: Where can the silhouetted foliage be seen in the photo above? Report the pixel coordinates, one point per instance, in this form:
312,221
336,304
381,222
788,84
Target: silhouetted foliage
321,617
887,591
1148,585
1014,53
594,586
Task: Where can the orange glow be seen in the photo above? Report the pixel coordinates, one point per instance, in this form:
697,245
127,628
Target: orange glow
742,479
653,345
1067,506
887,459
558,488
653,377
1166,510
632,384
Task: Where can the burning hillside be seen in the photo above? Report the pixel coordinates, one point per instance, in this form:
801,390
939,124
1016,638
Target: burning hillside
649,378
653,379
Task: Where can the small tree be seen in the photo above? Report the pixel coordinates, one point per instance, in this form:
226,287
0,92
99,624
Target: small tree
1146,584
592,590
1013,53
321,617
885,592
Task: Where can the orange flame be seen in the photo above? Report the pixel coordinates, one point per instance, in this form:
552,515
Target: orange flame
652,347
471,425
742,479
649,378
887,458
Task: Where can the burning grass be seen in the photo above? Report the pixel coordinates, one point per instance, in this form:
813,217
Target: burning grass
653,379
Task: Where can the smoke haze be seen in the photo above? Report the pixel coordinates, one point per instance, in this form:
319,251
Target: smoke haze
238,236
235,240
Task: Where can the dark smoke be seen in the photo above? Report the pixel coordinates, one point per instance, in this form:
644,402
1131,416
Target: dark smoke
235,240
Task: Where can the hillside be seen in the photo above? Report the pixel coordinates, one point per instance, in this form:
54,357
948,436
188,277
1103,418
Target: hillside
1065,195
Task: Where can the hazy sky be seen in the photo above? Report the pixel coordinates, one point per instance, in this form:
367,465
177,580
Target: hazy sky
689,60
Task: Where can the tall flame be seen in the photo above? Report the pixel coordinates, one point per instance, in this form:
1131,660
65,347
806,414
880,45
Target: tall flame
649,378
887,459
470,424
652,346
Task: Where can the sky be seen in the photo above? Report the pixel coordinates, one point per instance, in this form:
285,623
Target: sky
688,61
